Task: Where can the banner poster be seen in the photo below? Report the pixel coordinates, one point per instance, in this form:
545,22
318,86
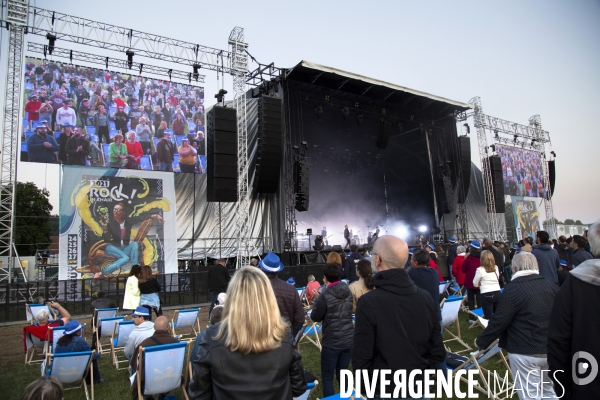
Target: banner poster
527,216
111,219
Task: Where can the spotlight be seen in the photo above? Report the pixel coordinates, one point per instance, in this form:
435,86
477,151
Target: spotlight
356,104
51,41
422,229
345,112
553,154
515,139
275,85
493,147
359,119
221,95
383,111
106,62
130,55
195,74
170,72
496,136
141,67
319,111
467,127
532,142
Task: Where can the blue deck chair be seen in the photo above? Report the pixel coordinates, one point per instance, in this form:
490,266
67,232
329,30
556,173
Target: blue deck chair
202,169
179,139
34,346
112,133
54,333
106,328
105,153
176,167
24,147
450,308
71,368
32,309
57,135
28,134
444,286
99,314
90,129
155,141
310,386
475,360
146,163
309,330
476,315
162,368
338,396
119,340
186,319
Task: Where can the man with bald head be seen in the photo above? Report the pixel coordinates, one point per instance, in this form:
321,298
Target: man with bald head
397,325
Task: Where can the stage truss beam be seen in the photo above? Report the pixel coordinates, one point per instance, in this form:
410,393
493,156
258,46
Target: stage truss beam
115,63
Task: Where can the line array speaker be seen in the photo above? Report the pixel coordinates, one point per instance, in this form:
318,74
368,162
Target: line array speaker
551,177
465,166
495,163
270,146
301,185
448,195
384,135
221,155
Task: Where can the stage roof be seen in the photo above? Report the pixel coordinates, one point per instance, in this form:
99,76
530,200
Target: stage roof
315,74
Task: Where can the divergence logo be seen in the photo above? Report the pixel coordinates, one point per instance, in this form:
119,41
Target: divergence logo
584,368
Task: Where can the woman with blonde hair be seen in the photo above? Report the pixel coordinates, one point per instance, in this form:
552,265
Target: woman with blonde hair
250,354
486,279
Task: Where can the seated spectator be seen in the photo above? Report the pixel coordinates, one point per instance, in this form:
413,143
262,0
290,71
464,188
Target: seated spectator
313,285
44,388
43,316
72,342
486,279
459,276
521,322
216,316
362,285
334,308
144,328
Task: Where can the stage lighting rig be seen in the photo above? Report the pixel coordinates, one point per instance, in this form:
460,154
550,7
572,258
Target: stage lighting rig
130,55
51,41
515,139
359,119
196,67
496,136
141,68
493,147
467,127
553,154
221,96
319,111
345,112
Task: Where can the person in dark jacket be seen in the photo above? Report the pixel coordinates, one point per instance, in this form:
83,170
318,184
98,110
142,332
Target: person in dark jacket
334,308
579,254
563,272
218,280
562,248
425,278
250,354
287,297
41,146
77,148
498,256
149,290
121,119
469,268
521,322
451,252
546,256
350,264
397,325
574,327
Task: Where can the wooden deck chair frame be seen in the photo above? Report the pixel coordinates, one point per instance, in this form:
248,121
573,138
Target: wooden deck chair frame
310,386
310,327
476,359
195,326
52,339
110,312
31,310
184,368
456,321
51,364
37,344
476,315
302,294
444,287
109,333
114,341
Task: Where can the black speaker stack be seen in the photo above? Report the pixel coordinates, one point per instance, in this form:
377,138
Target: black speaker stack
384,135
464,143
270,145
447,195
221,155
551,177
301,185
495,165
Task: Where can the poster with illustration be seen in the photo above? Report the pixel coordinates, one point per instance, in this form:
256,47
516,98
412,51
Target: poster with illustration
111,219
527,217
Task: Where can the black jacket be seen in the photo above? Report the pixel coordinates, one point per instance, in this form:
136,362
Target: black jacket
350,266
522,316
498,257
218,278
452,255
574,327
396,326
289,303
75,157
150,286
334,308
113,234
218,373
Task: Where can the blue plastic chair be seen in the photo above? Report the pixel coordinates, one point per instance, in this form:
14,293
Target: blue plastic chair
186,319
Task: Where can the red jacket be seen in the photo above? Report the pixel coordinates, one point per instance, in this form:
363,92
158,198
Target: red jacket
33,108
433,265
469,267
457,269
134,149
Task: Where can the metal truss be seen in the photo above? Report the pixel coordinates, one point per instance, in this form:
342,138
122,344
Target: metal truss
262,72
16,17
516,131
479,119
239,67
290,243
106,36
142,69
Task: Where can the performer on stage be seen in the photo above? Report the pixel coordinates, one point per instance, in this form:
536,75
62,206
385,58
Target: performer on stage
324,234
319,245
346,236
376,234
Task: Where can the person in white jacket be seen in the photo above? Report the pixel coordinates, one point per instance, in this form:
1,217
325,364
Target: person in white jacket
144,328
486,279
66,115
131,299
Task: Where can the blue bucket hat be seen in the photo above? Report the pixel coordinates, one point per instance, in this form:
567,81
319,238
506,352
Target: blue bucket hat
475,244
452,239
291,281
72,327
271,264
141,312
563,263
411,250
431,246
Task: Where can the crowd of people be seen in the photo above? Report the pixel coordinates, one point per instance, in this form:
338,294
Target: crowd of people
521,172
386,315
89,107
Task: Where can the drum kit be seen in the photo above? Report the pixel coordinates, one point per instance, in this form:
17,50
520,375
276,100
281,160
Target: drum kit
355,238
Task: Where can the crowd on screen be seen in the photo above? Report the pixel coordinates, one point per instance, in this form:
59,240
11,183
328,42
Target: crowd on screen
83,116
521,172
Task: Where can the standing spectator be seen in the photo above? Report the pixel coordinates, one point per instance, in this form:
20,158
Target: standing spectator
165,153
117,152
457,272
167,113
578,244
187,157
149,289
57,102
451,252
160,132
46,111
77,149
119,102
498,256
198,143
101,124
334,308
574,325
65,116
84,112
134,114
131,299
363,284
144,135
81,94
561,247
425,278
218,279
134,148
65,135
178,125
396,325
469,268
121,119
41,146
287,297
487,280
563,272
351,262
32,108
547,257
521,322
157,117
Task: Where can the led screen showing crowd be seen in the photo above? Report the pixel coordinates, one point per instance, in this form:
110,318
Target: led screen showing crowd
521,172
84,116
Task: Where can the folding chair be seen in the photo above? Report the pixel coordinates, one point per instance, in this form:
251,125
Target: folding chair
476,315
444,286
176,167
54,333
450,308
156,140
310,327
106,328
119,339
31,311
146,163
112,133
186,319
475,360
105,153
34,340
162,368
302,294
309,388
100,313
72,368
91,130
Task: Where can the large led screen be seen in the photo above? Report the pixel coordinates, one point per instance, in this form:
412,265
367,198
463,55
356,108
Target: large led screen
521,172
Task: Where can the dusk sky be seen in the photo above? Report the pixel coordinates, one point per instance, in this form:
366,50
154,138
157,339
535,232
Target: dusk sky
521,58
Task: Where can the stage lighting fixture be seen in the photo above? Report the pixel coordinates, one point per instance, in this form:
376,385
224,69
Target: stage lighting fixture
422,229
141,68
51,41
195,74
359,119
275,85
383,111
106,62
467,127
496,136
345,112
130,55
553,154
532,142
221,95
170,72
493,147
356,104
319,111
